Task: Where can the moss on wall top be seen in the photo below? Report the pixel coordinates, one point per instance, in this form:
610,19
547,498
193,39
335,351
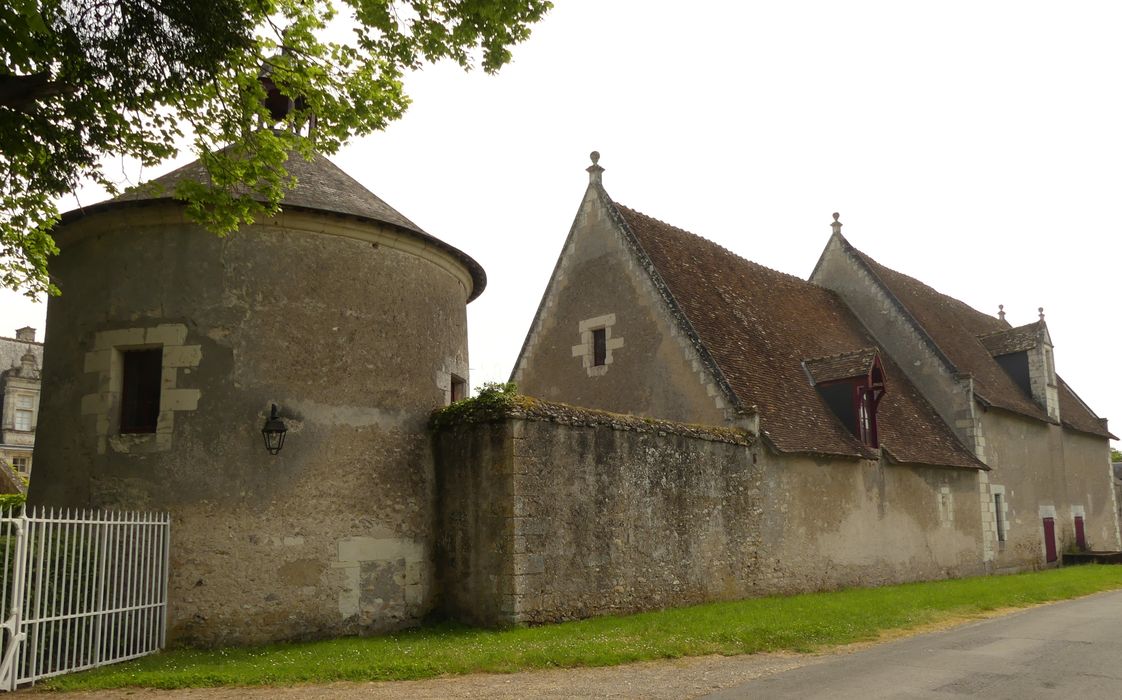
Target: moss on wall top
497,402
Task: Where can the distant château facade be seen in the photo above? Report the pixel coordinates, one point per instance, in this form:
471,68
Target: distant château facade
20,361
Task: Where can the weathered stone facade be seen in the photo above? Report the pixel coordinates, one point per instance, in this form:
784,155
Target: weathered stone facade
556,513
354,327
1042,462
20,362
597,276
977,433
784,436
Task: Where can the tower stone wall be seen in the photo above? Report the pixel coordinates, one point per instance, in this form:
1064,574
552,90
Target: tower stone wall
353,328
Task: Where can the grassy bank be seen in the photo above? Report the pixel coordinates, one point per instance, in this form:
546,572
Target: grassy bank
797,623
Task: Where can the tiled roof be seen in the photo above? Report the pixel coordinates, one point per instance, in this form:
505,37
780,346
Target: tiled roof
1077,415
968,337
320,186
841,366
759,324
954,327
12,351
1012,340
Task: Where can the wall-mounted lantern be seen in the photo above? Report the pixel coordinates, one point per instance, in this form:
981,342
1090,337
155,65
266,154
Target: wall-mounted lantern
274,432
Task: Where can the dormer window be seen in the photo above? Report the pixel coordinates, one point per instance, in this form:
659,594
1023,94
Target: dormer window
852,385
1025,353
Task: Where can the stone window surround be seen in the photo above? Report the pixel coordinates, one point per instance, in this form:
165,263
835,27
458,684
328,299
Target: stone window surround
453,369
459,388
24,417
1078,511
21,464
105,361
944,500
999,490
20,402
585,349
1047,511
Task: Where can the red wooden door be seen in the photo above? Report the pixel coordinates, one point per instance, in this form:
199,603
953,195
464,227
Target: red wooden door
1080,535
1049,539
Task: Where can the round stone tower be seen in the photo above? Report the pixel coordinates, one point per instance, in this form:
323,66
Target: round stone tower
168,347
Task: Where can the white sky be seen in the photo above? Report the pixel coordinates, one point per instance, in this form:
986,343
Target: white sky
974,145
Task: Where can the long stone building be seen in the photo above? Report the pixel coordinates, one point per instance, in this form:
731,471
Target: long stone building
898,434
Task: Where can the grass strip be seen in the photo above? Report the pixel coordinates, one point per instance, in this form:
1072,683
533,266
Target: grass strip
798,623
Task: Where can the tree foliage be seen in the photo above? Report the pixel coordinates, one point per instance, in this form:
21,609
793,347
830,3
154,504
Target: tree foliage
84,79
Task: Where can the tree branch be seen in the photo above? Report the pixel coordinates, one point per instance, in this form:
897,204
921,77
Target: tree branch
22,92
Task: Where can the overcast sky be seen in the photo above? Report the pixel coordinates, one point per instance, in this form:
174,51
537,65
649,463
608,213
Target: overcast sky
974,145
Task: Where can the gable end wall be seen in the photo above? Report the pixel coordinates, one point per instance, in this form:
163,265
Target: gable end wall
951,394
655,368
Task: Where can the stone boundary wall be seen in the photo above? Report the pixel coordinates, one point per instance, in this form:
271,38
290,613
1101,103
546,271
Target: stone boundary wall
558,513
548,512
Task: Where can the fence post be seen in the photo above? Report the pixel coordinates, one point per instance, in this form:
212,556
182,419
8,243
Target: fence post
16,636
99,606
164,576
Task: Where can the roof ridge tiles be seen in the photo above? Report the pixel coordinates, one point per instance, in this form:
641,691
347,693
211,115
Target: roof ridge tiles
1011,329
872,348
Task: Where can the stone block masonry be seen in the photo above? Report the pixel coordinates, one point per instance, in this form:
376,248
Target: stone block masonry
548,513
560,513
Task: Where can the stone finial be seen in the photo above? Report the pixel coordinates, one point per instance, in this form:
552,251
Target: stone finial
837,225
1001,311
594,170
28,364
1041,310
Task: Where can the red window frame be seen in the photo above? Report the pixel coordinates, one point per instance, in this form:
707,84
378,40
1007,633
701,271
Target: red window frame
866,399
1080,534
1050,553
868,390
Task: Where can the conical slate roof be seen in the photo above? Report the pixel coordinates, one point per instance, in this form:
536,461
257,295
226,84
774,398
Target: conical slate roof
320,186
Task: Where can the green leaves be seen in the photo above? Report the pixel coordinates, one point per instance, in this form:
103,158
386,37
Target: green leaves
83,80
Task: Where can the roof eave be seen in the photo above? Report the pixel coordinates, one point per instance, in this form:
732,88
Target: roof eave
975,463
478,275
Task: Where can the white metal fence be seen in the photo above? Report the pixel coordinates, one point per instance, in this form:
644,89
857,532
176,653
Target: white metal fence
79,589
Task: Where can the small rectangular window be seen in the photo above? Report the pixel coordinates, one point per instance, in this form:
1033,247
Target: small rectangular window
23,419
21,464
140,390
459,389
599,347
999,514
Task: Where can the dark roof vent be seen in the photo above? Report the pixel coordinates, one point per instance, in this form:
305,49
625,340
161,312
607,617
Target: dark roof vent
279,104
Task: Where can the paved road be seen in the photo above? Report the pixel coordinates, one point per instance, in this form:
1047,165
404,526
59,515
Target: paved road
1067,650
